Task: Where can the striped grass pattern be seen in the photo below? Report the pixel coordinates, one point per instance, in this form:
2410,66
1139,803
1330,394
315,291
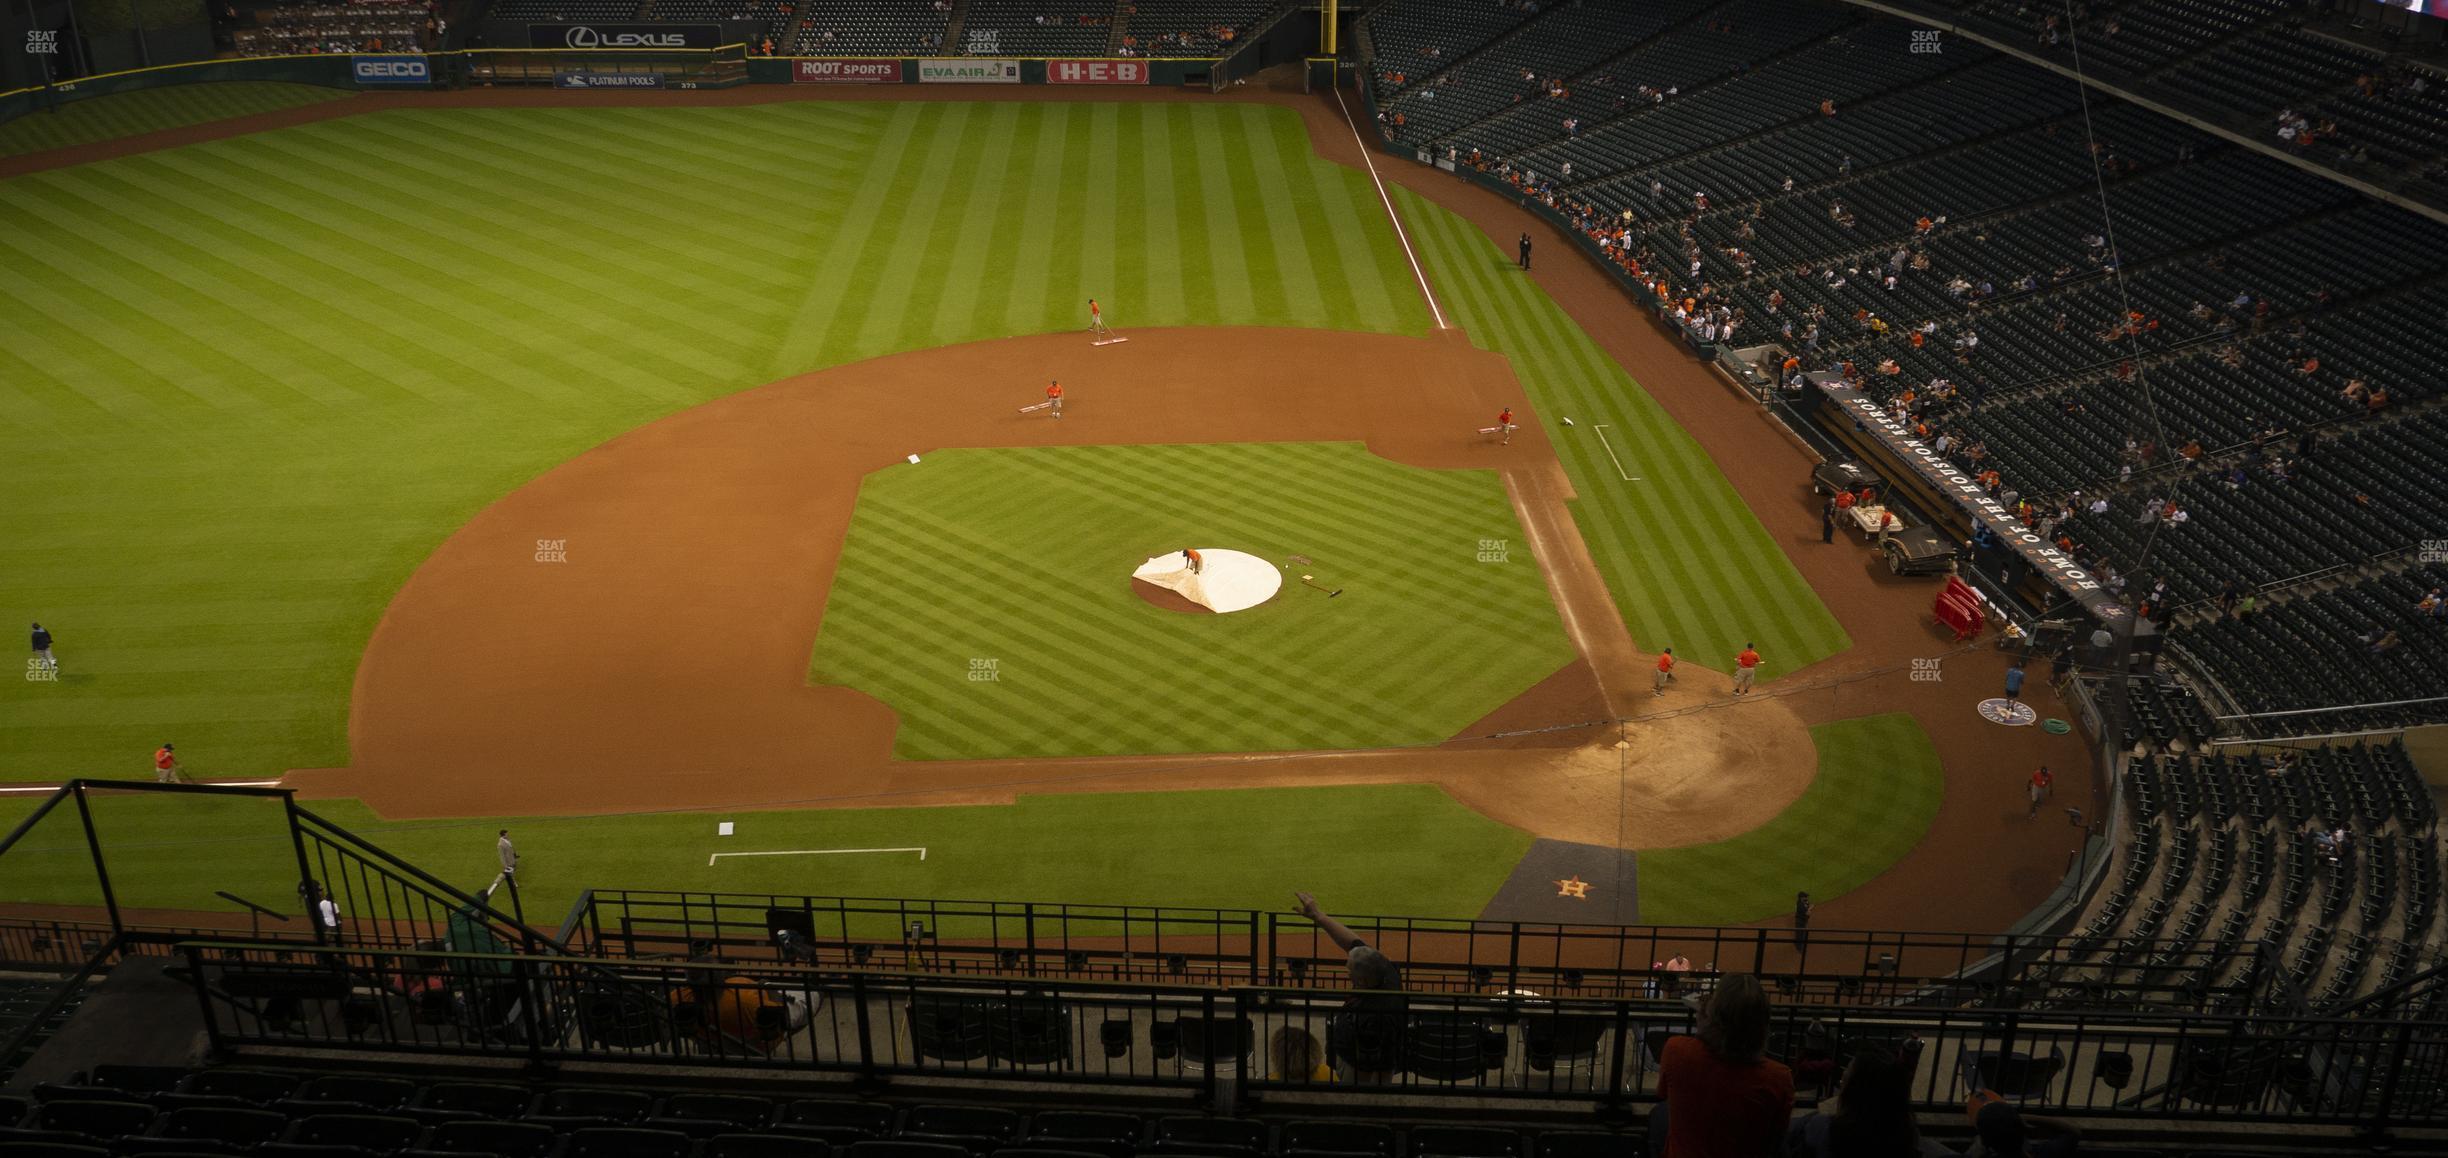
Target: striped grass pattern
106,118
986,598
1224,849
1875,796
251,384
1688,563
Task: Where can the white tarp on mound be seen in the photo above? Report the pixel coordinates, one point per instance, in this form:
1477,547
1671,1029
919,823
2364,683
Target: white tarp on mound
1226,580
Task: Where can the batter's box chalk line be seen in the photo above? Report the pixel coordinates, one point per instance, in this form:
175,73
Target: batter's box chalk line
920,850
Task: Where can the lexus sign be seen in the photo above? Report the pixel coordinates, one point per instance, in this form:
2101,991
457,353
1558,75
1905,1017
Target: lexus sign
624,36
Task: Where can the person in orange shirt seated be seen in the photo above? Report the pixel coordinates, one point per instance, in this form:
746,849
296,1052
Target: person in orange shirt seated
1723,1096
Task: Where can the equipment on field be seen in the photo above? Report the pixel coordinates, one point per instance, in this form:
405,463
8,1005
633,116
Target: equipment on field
1311,581
1036,407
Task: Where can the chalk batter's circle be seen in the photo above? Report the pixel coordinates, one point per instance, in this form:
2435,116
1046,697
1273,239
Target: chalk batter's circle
2008,712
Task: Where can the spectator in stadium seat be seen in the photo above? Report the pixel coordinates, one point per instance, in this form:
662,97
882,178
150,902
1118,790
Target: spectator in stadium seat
2007,1132
1293,1055
1724,1098
1873,1116
1364,1038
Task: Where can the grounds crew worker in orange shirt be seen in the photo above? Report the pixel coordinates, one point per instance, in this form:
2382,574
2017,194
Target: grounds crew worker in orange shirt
166,768
1746,666
1054,396
1665,671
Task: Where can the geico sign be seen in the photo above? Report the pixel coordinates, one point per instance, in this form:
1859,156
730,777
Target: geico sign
585,37
404,69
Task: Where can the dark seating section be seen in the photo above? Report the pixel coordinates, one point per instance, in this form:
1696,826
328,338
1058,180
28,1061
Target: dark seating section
2374,644
1189,27
561,10
21,1004
1035,28
2245,62
360,26
864,27
78,1121
1966,229
2237,850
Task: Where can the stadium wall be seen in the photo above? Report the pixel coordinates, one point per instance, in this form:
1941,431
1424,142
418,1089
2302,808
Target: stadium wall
461,67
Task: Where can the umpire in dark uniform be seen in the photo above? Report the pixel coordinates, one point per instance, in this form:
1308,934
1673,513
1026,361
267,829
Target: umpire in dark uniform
1827,520
1525,251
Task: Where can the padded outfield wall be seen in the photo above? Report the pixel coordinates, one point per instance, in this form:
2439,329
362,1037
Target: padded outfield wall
460,67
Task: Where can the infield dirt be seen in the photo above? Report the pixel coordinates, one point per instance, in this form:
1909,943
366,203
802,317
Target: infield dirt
1981,833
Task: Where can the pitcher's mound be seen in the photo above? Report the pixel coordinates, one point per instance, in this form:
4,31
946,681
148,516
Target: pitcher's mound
1225,580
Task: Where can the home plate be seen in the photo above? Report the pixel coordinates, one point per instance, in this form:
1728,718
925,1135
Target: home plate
921,851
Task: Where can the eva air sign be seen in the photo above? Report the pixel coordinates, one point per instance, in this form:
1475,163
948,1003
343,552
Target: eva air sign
968,72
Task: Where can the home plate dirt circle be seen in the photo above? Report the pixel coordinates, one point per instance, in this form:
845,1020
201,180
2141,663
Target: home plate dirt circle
1220,580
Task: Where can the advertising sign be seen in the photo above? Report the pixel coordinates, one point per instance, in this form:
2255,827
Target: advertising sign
1096,72
412,70
845,72
968,72
624,36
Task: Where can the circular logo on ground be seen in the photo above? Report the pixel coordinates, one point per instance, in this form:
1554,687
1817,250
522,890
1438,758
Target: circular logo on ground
2008,712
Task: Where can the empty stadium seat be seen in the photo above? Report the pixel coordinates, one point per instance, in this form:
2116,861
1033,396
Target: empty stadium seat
1214,1136
1462,1142
762,1146
506,1139
1337,1140
977,1129
372,1132
100,1119
627,1142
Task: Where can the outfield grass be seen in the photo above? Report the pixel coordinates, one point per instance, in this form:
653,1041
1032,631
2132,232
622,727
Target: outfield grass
1690,566
1410,655
1222,849
252,383
1876,794
127,114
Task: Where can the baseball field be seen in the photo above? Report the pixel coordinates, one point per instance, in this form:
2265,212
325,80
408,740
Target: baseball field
605,469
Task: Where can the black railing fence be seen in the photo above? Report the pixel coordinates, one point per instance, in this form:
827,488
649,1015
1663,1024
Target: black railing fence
1247,947
1214,1043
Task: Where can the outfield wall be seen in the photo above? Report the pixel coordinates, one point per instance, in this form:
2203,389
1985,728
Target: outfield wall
576,68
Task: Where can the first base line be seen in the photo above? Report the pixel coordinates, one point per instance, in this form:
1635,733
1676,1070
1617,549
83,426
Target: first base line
921,851
1626,475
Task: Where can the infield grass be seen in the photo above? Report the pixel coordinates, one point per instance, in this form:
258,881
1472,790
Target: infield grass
1876,794
1426,638
250,384
127,114
1690,566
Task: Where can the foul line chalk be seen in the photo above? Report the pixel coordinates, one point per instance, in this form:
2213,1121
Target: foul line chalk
1396,218
921,851
1626,475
